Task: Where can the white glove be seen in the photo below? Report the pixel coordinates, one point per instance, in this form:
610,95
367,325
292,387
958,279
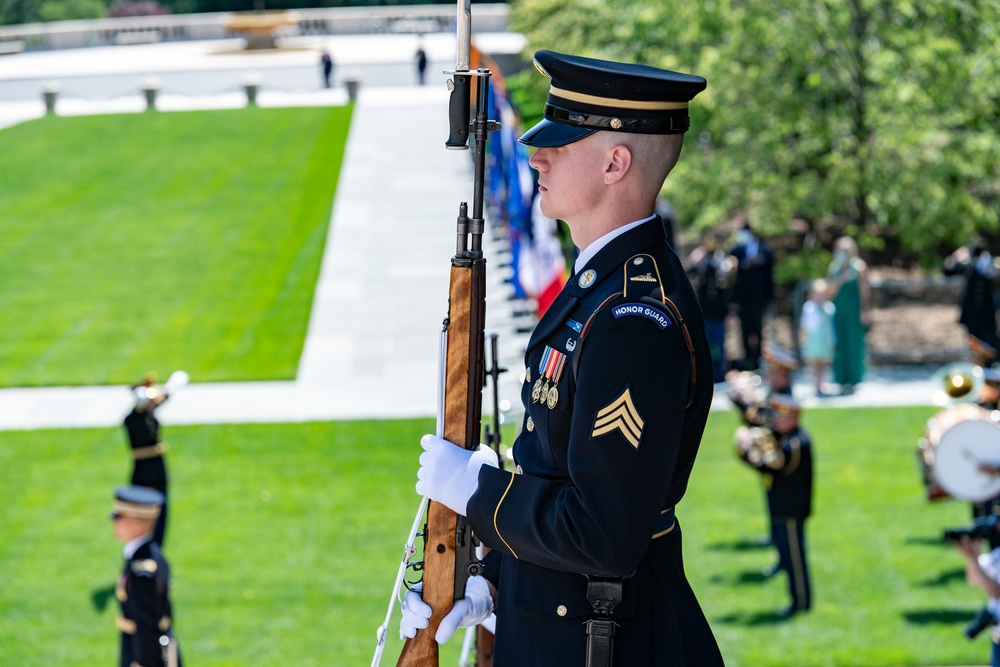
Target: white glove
473,609
415,614
450,474
178,380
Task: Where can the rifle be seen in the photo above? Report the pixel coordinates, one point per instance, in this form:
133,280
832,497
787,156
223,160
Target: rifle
449,557
479,635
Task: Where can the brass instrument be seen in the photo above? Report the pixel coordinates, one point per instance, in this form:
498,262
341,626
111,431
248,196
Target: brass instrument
960,382
726,272
748,393
759,447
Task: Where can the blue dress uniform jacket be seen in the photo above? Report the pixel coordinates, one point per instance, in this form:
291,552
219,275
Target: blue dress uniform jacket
599,464
143,592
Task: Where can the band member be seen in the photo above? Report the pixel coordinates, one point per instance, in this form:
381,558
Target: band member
982,353
143,428
618,384
143,588
982,570
783,453
751,393
989,399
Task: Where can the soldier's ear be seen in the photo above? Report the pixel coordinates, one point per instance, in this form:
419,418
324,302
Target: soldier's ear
618,163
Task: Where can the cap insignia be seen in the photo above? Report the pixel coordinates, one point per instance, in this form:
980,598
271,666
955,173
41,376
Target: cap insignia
616,123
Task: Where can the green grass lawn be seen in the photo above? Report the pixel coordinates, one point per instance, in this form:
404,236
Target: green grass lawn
285,541
163,240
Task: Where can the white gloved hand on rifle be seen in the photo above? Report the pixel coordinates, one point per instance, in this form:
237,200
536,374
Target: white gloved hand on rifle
475,608
450,474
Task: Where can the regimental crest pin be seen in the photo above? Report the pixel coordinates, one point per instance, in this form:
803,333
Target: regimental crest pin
587,278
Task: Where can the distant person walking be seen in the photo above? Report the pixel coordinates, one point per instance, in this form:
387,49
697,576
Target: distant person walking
326,66
850,293
421,63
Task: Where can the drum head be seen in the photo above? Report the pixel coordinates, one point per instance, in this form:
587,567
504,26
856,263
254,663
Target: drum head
962,453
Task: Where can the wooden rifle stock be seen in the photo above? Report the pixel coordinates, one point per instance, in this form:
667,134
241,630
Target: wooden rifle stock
449,551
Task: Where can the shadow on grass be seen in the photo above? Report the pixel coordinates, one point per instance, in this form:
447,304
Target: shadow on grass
930,616
757,618
944,578
743,544
927,541
741,578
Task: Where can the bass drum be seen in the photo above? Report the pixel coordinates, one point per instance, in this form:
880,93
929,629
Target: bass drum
961,450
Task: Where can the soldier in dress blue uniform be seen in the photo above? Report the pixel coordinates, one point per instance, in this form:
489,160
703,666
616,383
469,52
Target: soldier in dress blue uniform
617,389
143,429
782,451
751,393
143,589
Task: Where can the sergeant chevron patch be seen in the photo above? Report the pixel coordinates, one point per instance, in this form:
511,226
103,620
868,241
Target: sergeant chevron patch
622,416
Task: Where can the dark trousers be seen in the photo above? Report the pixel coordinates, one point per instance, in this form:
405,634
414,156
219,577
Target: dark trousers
715,331
994,654
751,326
788,535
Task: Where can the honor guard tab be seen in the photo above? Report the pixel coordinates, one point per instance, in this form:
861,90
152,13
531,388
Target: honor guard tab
587,95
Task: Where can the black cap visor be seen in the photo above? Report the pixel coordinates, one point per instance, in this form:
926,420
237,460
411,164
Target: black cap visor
549,134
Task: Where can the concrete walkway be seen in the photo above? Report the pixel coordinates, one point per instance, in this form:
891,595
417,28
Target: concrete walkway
372,344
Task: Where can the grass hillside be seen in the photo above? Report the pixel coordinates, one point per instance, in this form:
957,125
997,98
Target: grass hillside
285,541
163,240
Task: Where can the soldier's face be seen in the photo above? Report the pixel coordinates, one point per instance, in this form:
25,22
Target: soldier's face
570,178
128,528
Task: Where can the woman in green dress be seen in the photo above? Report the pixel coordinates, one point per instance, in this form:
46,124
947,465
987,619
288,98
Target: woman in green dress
849,291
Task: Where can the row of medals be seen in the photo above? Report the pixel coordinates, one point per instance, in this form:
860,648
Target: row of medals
541,392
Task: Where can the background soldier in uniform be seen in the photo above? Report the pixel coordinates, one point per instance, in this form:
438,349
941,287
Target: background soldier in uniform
782,451
618,384
751,393
143,589
143,429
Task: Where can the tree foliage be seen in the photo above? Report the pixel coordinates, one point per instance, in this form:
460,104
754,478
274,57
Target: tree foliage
881,116
32,11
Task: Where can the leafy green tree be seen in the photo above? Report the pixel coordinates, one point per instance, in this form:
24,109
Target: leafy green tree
880,116
13,12
69,10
